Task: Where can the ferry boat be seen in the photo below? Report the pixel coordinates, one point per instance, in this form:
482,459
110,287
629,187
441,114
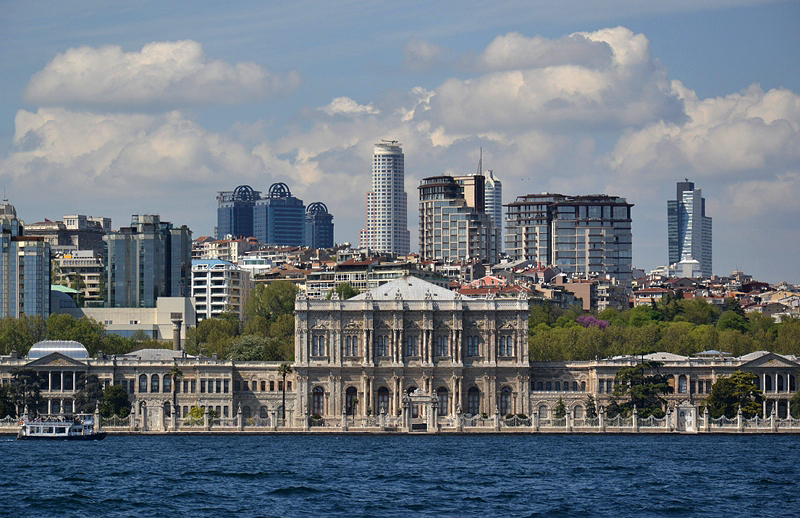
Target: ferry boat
81,428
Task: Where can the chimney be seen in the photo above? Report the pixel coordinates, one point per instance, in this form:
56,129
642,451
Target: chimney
177,320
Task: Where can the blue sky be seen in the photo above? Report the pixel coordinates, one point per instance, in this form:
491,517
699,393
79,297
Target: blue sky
152,107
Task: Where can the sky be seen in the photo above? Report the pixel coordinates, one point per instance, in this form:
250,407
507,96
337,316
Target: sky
152,107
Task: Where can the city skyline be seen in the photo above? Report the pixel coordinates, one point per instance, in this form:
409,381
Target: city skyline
562,99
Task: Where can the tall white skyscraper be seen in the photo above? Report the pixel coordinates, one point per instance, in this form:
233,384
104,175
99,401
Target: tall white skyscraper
494,201
688,228
387,203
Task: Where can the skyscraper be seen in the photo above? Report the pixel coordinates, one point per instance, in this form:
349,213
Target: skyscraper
280,218
235,212
147,260
319,226
494,202
453,224
688,227
387,203
24,268
576,234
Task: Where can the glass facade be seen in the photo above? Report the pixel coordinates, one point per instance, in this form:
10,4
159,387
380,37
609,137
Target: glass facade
688,228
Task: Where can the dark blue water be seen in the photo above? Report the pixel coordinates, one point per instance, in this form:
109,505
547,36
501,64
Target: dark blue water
403,475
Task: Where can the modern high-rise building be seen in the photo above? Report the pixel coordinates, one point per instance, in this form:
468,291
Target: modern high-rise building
688,228
319,226
494,202
453,223
24,268
577,234
219,287
387,203
280,218
147,260
235,212
75,232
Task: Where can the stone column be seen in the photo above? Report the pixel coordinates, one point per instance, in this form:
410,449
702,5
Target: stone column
601,418
706,420
496,419
239,420
274,419
535,421
207,419
772,416
635,420
739,420
344,418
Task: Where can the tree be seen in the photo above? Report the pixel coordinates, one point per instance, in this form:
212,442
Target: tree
175,374
26,390
733,392
732,320
6,401
253,348
90,393
214,336
560,410
114,402
794,405
591,407
345,291
271,301
284,370
642,385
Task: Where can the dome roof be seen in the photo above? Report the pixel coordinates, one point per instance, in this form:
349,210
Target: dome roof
68,348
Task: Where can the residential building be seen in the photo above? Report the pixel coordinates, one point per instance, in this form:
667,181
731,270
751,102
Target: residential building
387,203
235,212
366,274
218,287
584,235
24,268
148,260
280,218
453,223
77,230
688,228
84,270
319,226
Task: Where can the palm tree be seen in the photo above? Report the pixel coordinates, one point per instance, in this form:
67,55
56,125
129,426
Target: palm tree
284,370
174,373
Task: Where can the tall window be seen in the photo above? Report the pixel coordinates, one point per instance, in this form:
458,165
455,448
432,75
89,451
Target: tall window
414,406
682,384
154,383
474,401
262,413
441,346
143,383
351,400
382,345
441,394
350,346
383,400
167,386
412,347
318,400
473,346
505,401
318,346
506,346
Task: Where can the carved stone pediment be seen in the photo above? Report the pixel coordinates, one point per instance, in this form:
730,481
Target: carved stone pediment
320,326
441,324
352,325
411,324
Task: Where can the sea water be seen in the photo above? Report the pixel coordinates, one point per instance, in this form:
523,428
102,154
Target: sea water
404,475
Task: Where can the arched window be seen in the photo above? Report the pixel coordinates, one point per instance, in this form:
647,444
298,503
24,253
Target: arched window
263,413
779,382
543,412
474,401
441,394
143,383
383,400
414,406
441,346
578,412
505,401
682,384
558,386
768,383
583,386
351,400
412,348
167,385
318,400
246,412
167,410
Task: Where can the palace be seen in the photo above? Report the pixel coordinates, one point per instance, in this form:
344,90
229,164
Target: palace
407,354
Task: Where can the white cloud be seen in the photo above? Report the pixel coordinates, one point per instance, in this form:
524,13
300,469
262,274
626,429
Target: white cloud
731,136
604,79
347,106
162,73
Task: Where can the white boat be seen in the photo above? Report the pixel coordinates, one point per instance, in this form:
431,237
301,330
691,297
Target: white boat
79,428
